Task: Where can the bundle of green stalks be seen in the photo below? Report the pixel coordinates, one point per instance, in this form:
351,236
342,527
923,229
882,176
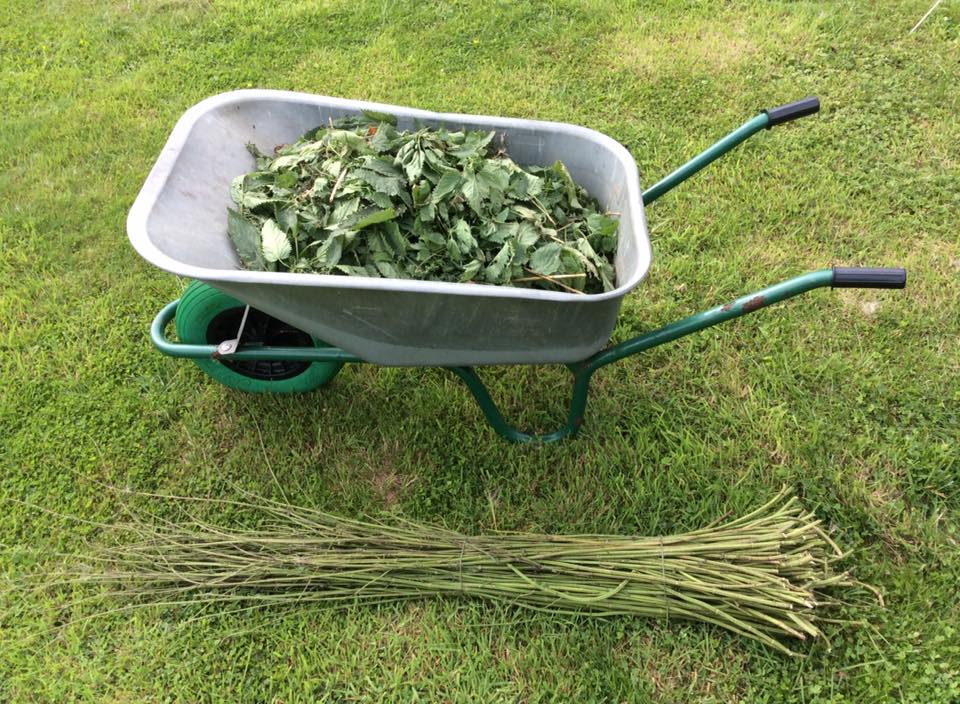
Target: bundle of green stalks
760,575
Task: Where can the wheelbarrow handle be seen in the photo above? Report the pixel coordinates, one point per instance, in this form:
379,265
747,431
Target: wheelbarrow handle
835,278
792,111
868,278
765,120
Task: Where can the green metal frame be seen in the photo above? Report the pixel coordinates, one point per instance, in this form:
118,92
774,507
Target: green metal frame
582,371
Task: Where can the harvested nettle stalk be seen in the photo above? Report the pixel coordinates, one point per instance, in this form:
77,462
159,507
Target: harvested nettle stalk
361,198
766,575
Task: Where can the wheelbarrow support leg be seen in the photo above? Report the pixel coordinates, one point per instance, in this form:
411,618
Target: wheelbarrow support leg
578,403
583,371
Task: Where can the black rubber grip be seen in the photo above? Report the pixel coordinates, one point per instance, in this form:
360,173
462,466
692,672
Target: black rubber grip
792,111
869,278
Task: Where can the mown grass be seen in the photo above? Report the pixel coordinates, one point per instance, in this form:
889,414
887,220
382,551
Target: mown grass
850,397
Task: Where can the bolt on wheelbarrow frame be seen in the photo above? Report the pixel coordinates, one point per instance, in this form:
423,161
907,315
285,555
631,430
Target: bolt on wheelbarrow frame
582,371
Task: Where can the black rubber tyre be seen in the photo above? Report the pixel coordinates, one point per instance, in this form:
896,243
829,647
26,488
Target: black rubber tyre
206,316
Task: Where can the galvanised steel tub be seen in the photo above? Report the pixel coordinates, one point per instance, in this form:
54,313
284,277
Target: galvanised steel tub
178,223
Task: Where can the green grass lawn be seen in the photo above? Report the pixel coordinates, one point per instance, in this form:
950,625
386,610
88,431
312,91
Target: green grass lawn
852,398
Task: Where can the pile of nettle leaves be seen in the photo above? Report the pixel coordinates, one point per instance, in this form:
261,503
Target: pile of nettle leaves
359,197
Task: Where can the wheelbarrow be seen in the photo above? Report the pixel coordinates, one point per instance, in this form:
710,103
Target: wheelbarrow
291,332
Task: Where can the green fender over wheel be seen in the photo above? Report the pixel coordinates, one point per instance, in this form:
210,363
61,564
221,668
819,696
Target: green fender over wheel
206,316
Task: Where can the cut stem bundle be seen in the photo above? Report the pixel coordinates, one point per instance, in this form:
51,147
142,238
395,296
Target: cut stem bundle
760,575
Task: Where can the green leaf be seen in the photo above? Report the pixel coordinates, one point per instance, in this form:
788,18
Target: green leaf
453,251
286,162
527,213
499,270
411,157
286,179
546,259
249,190
473,189
601,224
261,159
568,184
474,144
236,189
351,270
343,210
381,199
329,253
465,240
288,220
588,255
534,185
607,276
527,235
435,238
388,269
428,212
420,193
495,177
385,139
448,183
246,240
435,159
374,217
375,116
391,185
395,239
382,167
273,242
345,139
471,270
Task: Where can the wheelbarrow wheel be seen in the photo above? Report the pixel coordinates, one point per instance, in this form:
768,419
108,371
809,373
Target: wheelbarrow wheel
206,316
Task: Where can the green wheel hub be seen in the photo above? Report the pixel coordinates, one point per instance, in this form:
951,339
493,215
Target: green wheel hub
207,316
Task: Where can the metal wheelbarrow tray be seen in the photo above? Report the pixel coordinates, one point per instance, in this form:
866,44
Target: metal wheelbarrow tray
178,223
